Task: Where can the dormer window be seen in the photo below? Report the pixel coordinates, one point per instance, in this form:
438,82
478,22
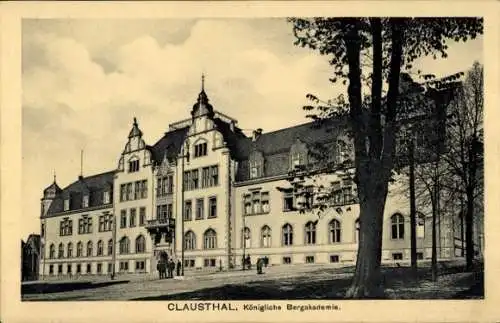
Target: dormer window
200,150
298,155
66,204
256,164
85,202
133,166
106,197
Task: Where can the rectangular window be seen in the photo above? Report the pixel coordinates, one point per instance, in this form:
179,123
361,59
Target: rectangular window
194,179
189,263
170,184
85,202
85,225
205,177
200,209
59,269
187,211
123,192
51,269
99,268
397,256
309,259
144,189
334,258
420,256
264,200
214,180
287,260
68,269
110,268
123,218
132,217
159,187
133,166
89,269
212,207
200,150
102,226
137,189
248,203
211,262
130,196
187,181
142,216
66,204
140,265
170,211
256,202
78,268
106,197
288,201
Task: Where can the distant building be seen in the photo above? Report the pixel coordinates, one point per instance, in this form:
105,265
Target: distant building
219,195
30,253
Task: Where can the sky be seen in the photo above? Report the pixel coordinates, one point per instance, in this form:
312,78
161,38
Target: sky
83,82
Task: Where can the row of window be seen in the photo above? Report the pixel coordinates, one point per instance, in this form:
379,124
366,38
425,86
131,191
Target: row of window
132,221
165,185
310,230
134,191
140,266
256,202
209,178
140,247
85,199
85,225
209,240
297,158
200,209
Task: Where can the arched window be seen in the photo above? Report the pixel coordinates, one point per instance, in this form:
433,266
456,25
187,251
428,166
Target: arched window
110,247
52,251
246,237
89,249
209,239
397,226
334,231
190,240
100,248
265,237
310,233
356,230
60,253
420,225
79,249
124,246
287,235
140,244
70,250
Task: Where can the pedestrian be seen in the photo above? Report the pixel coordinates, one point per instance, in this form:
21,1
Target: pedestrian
158,268
249,262
171,267
179,267
260,262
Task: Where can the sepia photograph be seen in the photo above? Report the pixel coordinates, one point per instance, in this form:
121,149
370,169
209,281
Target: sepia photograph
249,159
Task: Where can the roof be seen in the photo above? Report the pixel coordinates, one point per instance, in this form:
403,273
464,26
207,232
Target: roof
34,241
275,146
53,187
170,144
93,186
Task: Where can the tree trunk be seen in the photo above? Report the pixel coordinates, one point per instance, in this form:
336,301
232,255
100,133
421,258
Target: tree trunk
367,278
469,222
435,202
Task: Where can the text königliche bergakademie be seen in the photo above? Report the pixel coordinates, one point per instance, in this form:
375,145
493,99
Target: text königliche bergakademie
214,306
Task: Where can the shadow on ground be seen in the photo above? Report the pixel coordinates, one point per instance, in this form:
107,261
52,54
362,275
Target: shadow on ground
57,287
397,279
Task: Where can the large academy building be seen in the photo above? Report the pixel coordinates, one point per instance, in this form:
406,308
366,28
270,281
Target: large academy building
207,190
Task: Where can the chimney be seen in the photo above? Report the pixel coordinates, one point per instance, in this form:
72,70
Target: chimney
256,134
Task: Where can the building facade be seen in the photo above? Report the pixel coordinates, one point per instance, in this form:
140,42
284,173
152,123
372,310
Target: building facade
210,194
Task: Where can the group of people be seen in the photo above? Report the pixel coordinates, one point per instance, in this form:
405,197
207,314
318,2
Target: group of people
261,262
166,268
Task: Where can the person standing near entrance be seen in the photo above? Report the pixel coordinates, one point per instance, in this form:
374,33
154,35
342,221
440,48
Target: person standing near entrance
179,267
